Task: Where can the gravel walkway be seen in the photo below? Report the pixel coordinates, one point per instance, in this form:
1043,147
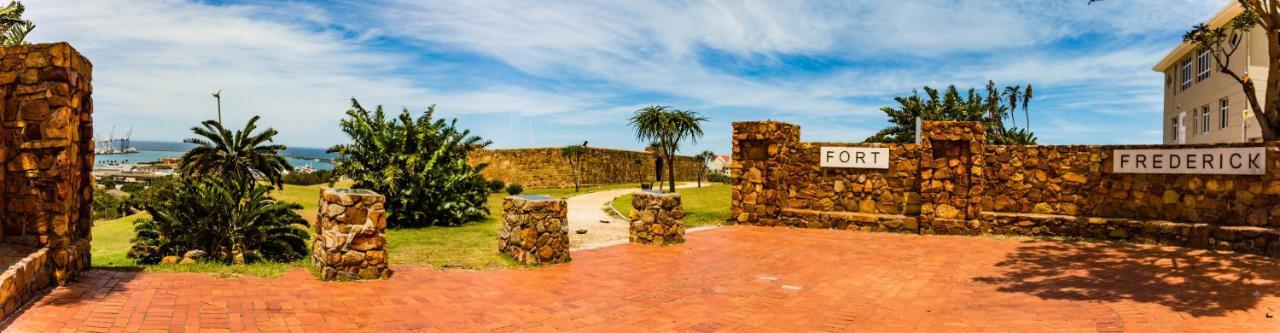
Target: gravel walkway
587,210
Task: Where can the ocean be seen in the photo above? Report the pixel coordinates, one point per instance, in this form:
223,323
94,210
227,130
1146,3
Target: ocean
151,151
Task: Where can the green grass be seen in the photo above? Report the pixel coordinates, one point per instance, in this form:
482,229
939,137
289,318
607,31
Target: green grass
471,246
706,205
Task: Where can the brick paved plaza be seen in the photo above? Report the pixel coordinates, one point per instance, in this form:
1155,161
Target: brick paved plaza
728,279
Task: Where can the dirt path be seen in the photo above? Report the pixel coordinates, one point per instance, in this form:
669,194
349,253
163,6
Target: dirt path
587,210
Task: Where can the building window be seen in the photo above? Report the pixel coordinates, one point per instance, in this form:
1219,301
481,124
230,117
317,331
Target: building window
1204,119
1174,132
1186,74
1223,108
1203,65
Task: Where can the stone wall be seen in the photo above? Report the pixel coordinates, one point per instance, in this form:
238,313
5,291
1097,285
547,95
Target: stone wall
535,230
954,183
350,241
656,218
46,146
544,167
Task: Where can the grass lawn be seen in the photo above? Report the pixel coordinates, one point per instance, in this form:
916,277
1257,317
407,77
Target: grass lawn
471,246
706,205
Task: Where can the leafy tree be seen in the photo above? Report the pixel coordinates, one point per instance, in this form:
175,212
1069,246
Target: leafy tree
1223,42
419,163
231,222
240,157
574,154
14,29
704,158
951,105
667,127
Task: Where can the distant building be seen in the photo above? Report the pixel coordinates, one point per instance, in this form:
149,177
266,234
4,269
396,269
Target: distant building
720,165
1203,105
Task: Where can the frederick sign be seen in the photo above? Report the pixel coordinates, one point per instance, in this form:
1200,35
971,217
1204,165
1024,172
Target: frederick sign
1222,161
854,157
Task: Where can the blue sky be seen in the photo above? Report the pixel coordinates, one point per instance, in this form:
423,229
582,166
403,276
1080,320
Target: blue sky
550,73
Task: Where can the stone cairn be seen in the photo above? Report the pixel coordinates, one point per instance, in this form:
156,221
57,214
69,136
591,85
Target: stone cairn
350,241
656,218
535,230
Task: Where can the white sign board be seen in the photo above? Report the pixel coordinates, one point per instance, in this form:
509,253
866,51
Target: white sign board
1219,161
854,157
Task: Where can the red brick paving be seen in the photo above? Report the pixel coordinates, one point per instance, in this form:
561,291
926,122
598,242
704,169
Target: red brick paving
729,279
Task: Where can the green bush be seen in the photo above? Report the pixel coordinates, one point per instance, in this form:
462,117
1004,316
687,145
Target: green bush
515,189
230,222
718,178
313,178
496,186
107,206
419,164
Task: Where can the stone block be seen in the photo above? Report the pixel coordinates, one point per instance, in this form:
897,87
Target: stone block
656,218
535,230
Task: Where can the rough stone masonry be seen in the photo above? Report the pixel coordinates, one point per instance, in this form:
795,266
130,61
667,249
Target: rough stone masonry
46,146
350,241
955,183
535,230
656,218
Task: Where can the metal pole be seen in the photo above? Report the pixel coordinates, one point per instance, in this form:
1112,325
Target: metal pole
218,96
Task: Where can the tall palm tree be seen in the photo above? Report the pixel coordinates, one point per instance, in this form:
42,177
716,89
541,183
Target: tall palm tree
241,156
668,127
1026,102
1014,94
574,153
705,158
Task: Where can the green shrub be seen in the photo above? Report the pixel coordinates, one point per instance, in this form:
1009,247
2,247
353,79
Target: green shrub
718,178
646,186
231,223
107,206
313,178
419,164
515,189
496,186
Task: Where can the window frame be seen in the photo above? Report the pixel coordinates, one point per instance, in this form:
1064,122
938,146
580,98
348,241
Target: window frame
1185,71
1203,65
1224,111
1204,120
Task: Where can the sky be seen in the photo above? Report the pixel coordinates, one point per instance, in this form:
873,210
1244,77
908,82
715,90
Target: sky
553,73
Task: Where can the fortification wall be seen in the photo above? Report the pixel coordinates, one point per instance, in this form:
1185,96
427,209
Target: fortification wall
545,167
954,183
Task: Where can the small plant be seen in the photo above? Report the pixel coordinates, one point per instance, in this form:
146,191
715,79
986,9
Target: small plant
496,186
646,186
718,178
515,189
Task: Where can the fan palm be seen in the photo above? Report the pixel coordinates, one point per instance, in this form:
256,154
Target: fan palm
240,156
667,127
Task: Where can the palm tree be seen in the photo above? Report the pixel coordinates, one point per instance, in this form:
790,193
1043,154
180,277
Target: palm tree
13,28
241,156
667,126
1018,95
574,153
705,158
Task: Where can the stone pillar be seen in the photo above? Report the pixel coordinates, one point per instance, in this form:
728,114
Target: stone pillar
656,218
951,176
535,229
350,240
759,148
46,140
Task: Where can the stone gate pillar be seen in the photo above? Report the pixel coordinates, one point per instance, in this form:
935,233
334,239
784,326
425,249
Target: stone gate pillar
350,241
759,149
951,176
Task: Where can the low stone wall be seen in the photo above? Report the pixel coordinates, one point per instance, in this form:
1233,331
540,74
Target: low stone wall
955,183
535,230
350,241
545,167
24,279
656,218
